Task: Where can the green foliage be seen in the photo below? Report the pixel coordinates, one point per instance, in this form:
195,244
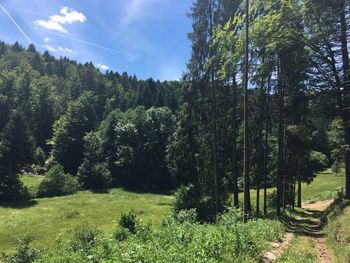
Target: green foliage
69,132
189,216
93,173
56,183
128,221
172,242
24,253
16,152
134,145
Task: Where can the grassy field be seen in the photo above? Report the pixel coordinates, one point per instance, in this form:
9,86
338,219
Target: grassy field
48,218
323,187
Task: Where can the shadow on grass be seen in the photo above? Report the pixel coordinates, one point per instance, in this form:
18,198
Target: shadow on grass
101,191
311,222
19,204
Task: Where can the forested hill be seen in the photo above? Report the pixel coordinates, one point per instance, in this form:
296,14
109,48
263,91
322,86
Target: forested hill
47,106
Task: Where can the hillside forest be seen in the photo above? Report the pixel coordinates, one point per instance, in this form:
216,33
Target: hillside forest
264,103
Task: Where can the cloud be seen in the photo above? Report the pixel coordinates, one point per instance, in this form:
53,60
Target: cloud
56,22
63,49
50,48
47,40
102,66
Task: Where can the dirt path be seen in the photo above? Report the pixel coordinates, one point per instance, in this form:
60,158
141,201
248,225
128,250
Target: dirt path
324,255
306,223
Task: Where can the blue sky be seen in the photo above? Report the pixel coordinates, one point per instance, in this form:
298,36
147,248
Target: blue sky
147,38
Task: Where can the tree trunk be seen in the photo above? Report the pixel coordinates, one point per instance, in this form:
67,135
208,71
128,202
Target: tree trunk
266,143
279,183
234,150
213,85
285,178
246,206
299,186
346,98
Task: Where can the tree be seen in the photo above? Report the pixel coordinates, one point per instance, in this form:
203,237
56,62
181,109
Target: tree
69,132
16,152
326,39
93,173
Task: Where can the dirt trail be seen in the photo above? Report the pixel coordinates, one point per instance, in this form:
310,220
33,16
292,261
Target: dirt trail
324,255
307,223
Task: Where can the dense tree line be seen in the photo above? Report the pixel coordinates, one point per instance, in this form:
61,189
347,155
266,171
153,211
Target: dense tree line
101,128
203,132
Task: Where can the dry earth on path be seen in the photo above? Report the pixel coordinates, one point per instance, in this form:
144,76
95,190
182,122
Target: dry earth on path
304,226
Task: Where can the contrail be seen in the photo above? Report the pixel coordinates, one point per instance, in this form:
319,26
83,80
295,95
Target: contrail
86,42
19,28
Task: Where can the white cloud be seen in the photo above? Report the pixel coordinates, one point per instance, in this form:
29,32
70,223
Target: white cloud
55,22
50,48
47,40
102,66
63,49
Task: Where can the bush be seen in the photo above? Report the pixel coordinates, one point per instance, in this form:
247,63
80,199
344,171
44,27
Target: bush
185,198
188,216
57,183
121,234
24,253
85,238
128,221
94,176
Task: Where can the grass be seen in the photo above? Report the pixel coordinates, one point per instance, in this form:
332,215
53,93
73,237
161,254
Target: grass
300,250
338,234
48,218
323,187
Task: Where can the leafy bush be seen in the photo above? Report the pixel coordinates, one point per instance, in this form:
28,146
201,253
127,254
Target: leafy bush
189,216
57,183
187,197
24,252
121,234
128,221
94,176
85,237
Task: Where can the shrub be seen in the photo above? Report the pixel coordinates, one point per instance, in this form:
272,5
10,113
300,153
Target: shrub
94,176
57,183
128,221
24,252
85,238
188,216
121,234
185,198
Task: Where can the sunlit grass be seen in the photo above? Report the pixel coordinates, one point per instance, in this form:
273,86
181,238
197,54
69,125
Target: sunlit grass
324,186
48,218
338,236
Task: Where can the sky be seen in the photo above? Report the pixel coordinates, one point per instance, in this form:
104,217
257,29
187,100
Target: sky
146,38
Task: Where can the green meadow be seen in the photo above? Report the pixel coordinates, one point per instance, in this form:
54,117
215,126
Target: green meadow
47,219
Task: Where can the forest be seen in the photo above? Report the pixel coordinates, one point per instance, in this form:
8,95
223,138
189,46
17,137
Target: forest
262,110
